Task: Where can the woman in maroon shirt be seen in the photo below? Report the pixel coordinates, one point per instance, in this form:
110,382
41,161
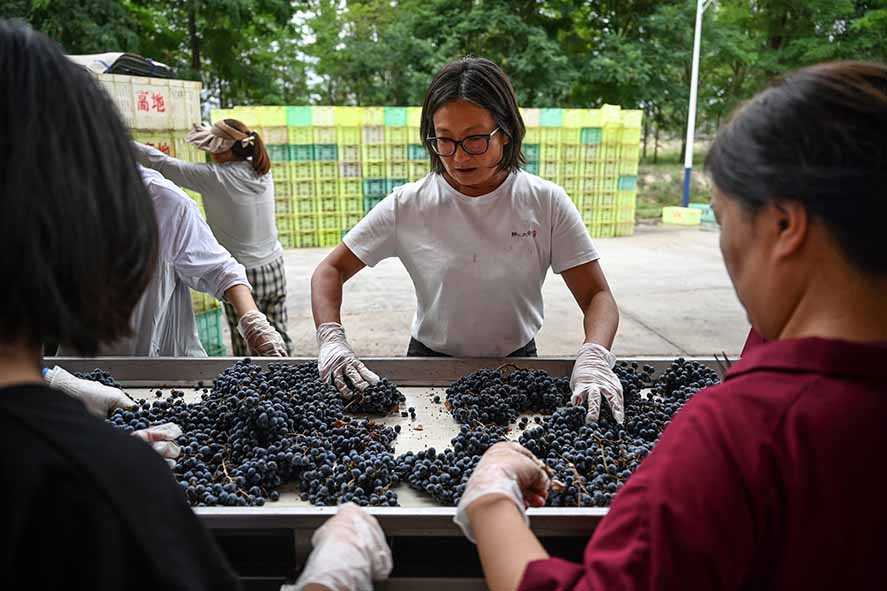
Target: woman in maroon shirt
772,479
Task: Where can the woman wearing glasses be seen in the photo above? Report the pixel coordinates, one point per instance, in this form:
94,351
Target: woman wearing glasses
477,236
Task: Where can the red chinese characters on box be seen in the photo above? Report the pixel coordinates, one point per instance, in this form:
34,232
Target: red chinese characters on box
162,146
158,103
150,101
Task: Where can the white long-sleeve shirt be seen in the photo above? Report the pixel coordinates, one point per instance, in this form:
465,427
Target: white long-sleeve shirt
239,205
189,257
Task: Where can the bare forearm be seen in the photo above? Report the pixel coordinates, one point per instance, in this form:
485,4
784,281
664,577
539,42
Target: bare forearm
241,299
326,294
505,544
601,319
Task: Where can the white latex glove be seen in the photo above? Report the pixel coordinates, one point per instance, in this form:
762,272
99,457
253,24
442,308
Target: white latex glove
336,360
593,376
162,439
261,338
507,469
350,552
99,399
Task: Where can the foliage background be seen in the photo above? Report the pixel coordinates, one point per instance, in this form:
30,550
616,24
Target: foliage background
567,53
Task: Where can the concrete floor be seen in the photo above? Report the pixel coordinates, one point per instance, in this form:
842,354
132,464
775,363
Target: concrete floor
670,284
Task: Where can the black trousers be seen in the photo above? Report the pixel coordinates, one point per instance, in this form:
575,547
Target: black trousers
417,349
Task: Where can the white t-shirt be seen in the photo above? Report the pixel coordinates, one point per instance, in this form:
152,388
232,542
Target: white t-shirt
239,205
477,263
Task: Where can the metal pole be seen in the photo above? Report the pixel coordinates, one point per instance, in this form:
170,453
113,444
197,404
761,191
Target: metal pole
691,113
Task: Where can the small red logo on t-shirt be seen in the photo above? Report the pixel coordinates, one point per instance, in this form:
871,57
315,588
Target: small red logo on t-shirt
527,234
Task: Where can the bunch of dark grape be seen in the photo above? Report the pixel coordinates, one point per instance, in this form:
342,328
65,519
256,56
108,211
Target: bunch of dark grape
443,475
100,376
381,398
261,427
494,396
258,428
594,460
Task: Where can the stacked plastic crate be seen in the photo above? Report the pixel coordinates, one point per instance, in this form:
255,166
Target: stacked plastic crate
331,165
629,156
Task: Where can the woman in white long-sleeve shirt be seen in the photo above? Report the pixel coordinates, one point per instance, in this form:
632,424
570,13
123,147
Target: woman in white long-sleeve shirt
238,196
189,256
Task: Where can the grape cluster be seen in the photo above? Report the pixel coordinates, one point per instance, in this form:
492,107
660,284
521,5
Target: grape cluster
258,428
443,475
494,396
381,398
594,460
100,376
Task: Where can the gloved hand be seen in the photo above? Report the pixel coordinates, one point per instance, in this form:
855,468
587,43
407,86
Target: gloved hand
99,399
336,360
261,338
510,470
349,553
592,376
162,439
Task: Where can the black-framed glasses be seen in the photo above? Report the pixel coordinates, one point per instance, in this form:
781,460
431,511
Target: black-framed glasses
473,145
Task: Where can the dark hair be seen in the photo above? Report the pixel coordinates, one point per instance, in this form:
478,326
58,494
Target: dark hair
483,83
254,152
818,136
78,233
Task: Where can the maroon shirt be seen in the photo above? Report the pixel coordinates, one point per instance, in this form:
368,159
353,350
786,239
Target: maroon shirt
772,480
753,340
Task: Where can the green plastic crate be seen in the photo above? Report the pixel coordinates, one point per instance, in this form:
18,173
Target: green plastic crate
371,202
325,135
628,183
551,117
395,116
301,152
278,152
301,135
397,135
350,188
348,135
326,152
298,116
591,135
349,152
351,206
209,330
391,184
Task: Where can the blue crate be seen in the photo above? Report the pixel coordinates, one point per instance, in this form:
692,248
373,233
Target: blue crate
326,152
374,188
416,152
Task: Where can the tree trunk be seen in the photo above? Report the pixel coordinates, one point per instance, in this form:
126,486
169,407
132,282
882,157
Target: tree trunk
192,35
646,133
656,143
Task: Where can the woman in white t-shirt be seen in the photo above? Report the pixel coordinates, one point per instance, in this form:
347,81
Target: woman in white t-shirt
477,236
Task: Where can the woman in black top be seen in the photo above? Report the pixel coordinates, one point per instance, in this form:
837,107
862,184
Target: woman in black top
87,507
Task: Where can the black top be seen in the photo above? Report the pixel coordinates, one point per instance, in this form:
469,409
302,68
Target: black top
89,507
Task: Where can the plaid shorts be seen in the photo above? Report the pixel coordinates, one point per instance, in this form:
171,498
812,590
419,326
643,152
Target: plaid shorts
269,292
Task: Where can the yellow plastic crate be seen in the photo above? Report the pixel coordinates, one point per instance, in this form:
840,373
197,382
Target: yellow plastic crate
681,216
